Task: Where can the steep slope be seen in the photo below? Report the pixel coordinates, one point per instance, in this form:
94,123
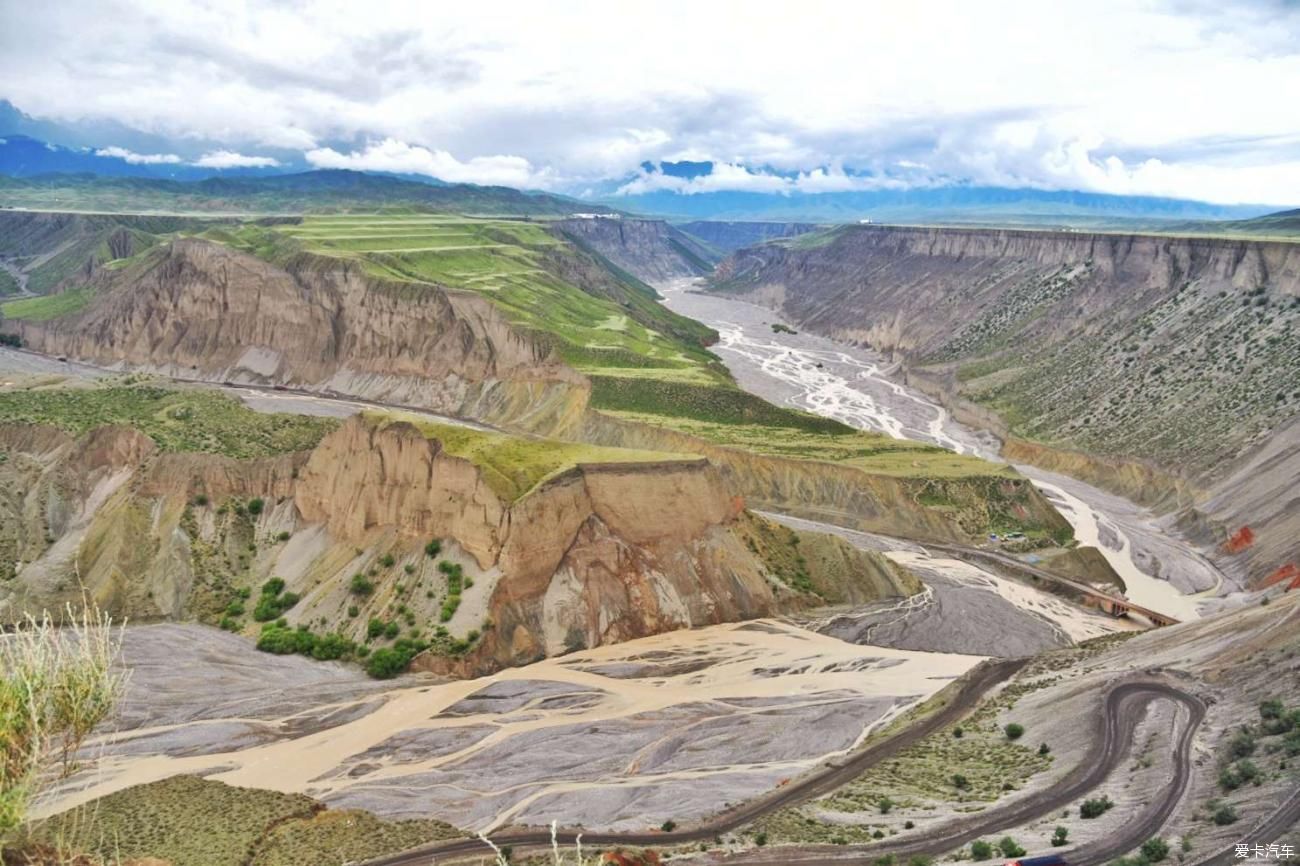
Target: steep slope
542,547
202,310
731,236
1161,367
651,249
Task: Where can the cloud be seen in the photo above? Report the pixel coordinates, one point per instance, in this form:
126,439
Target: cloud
399,157
230,159
1167,97
138,158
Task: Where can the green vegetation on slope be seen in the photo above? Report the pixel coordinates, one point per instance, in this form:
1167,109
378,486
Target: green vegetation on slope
514,465
177,419
597,319
199,822
46,307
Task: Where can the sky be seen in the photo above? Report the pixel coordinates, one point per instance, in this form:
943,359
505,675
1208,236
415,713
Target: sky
1185,99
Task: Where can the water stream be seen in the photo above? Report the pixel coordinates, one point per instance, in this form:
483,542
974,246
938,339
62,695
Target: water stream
857,386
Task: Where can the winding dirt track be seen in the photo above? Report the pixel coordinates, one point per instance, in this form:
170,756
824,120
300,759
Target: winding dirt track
1123,708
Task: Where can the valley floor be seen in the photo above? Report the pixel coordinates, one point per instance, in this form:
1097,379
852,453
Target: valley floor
621,737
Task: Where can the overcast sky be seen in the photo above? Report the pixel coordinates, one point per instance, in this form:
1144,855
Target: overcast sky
1188,99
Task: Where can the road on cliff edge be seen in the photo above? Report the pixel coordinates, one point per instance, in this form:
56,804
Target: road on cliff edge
1123,708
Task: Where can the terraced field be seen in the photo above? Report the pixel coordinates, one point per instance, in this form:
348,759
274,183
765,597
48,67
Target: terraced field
537,278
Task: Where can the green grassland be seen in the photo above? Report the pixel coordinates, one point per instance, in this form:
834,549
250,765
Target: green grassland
177,419
513,465
809,437
177,820
46,307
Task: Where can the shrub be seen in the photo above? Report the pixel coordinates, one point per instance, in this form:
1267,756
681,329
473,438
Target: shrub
760,839
235,608
201,500
409,568
885,804
1060,836
433,548
668,826
229,624
1225,815
1044,749
1009,848
1271,709
331,646
449,608
353,611
980,850
1155,849
1095,807
1242,745
283,536
274,586
387,560
360,586
56,685
957,732
392,630
374,628
386,663
960,782
1014,731
255,506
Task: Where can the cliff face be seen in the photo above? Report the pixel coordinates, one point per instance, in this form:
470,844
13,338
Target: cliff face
1166,358
597,554
731,236
200,310
651,250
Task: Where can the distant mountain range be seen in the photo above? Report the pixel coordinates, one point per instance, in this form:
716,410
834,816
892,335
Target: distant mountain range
45,174
324,190
956,204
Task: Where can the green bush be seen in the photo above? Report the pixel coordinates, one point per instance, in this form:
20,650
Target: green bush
980,850
885,804
1155,849
360,585
433,548
255,506
386,663
392,630
1044,749
283,536
1014,731
1060,836
960,782
353,611
668,826
387,560
274,586
235,608
1242,745
1009,848
374,628
1225,815
1096,807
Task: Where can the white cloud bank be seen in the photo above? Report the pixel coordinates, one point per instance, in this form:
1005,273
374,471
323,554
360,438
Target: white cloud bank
1187,98
230,159
399,157
138,158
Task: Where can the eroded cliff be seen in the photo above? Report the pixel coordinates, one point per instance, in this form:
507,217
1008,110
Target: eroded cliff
594,553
